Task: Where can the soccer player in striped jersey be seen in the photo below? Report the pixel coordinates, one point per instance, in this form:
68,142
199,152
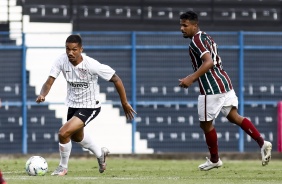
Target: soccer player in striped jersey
216,91
81,73
2,181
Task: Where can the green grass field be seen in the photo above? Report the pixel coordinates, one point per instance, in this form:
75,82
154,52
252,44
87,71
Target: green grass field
148,171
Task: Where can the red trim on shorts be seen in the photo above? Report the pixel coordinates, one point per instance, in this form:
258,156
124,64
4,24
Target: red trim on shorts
205,107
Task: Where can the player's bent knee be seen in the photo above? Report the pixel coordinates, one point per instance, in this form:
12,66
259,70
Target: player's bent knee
63,135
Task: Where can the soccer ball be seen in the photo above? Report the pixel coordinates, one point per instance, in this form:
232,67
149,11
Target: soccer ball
36,166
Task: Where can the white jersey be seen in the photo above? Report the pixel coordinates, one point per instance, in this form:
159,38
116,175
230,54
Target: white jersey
82,80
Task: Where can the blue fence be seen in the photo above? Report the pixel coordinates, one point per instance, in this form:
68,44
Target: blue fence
241,47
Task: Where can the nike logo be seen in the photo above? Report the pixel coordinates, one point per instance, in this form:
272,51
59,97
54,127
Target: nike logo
81,114
67,71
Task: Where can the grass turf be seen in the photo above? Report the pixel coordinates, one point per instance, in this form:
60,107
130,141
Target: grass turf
148,171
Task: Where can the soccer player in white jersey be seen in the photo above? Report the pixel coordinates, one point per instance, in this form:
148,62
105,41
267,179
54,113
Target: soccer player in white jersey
217,93
81,73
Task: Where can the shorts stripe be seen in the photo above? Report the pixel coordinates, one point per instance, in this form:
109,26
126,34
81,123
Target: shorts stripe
90,118
206,108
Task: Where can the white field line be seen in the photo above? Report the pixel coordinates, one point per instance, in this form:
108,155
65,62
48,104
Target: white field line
94,178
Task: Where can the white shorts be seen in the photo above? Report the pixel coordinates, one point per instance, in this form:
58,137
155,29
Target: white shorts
209,106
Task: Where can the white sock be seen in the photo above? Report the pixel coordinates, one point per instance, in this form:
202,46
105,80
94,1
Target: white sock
88,143
65,150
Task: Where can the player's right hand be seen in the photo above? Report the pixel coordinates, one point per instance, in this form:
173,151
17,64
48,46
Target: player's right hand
40,98
128,110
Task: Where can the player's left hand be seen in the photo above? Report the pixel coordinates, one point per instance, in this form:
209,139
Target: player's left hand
186,82
129,111
40,98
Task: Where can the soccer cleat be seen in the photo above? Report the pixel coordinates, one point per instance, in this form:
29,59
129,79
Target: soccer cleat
266,153
60,171
2,181
209,165
102,159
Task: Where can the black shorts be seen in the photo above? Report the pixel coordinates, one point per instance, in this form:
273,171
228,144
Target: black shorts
85,114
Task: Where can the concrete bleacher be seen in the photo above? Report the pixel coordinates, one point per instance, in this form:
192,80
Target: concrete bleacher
11,75
4,38
176,128
142,15
262,72
11,125
41,121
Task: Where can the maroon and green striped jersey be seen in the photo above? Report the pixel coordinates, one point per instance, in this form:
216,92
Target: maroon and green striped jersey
216,80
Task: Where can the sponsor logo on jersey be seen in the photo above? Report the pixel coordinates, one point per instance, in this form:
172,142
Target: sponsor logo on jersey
79,84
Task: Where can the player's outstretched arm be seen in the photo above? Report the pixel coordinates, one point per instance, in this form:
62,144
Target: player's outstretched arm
45,89
128,110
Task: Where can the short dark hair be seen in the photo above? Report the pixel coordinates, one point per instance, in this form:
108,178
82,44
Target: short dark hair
74,39
190,15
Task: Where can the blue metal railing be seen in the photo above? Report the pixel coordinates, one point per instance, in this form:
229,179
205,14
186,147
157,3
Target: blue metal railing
24,96
241,86
133,84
